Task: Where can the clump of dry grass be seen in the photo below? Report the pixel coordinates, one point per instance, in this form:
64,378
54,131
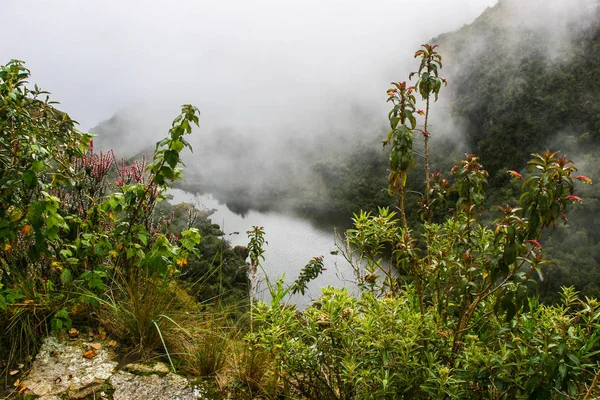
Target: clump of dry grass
252,371
150,313
158,318
205,352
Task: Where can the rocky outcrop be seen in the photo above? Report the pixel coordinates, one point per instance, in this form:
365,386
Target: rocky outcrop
77,369
63,368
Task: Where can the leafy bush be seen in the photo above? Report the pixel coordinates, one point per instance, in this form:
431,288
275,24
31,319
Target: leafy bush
448,313
68,237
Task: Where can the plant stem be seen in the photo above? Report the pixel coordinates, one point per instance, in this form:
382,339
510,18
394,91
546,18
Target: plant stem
426,148
594,383
401,207
253,270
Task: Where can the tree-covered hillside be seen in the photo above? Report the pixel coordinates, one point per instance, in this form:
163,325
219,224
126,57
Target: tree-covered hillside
518,88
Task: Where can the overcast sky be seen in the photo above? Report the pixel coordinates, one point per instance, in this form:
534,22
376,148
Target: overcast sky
252,60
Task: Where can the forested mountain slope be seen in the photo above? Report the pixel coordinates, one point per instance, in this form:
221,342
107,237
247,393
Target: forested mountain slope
524,78
518,87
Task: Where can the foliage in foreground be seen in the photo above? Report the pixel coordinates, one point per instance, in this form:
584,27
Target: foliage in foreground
445,314
448,316
449,313
74,243
344,347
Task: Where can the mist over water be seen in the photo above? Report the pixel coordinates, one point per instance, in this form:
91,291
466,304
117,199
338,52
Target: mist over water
291,243
279,84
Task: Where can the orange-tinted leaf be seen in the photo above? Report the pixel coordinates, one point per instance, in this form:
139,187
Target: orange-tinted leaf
96,346
112,343
89,354
515,174
584,179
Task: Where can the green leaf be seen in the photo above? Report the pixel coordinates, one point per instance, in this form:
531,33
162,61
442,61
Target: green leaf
66,253
159,179
66,277
167,172
61,320
574,359
29,178
562,371
37,166
511,234
510,253
176,145
143,237
190,238
56,324
534,223
172,158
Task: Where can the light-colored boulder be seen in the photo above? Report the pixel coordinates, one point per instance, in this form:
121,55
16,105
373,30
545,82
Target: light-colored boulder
61,368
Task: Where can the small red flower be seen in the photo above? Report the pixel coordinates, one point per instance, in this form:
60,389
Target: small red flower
575,198
535,243
584,179
515,174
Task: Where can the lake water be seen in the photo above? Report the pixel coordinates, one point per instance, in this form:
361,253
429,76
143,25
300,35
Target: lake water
292,243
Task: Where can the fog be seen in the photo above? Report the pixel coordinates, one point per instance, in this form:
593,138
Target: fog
251,64
280,84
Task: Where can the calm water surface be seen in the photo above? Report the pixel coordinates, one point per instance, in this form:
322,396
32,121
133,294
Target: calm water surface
292,243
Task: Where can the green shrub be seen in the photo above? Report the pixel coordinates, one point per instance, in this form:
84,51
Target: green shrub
66,234
448,313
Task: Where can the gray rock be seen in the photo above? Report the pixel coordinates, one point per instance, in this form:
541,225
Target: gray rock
61,368
152,387
157,368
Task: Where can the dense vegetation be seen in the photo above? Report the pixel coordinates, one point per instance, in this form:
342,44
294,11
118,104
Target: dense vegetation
448,313
85,238
447,306
516,92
